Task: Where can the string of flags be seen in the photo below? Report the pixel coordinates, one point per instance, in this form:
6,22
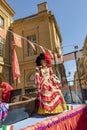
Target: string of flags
17,42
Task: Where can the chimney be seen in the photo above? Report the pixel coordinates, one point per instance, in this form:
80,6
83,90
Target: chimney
42,7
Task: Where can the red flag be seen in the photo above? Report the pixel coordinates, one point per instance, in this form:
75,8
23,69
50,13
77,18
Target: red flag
42,49
17,40
32,44
15,65
2,32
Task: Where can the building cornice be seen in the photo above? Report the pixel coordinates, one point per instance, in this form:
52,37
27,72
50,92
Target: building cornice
7,7
39,14
57,27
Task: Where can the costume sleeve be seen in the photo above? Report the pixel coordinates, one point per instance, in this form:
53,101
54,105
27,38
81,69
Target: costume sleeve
54,77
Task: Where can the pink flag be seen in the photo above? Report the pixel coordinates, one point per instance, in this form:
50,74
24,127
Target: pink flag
32,44
2,32
42,49
17,40
15,65
50,53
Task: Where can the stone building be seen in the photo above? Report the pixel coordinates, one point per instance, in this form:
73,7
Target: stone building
82,67
40,28
6,18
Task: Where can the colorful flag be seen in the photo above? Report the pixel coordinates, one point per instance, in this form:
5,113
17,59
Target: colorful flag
15,65
32,44
17,40
2,32
7,127
69,107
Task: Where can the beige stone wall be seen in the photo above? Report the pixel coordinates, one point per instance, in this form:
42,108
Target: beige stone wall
82,66
46,36
7,13
43,25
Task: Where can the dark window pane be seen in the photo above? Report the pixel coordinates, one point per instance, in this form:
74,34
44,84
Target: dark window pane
1,21
1,47
30,50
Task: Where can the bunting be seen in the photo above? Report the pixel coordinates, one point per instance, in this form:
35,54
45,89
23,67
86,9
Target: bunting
50,53
63,58
15,65
32,44
17,40
43,50
2,33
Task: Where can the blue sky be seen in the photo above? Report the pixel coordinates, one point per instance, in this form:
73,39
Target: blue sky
71,18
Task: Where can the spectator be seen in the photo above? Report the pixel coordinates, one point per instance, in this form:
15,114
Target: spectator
6,88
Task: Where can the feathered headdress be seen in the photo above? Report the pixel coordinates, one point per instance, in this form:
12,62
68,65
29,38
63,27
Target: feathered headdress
48,59
44,56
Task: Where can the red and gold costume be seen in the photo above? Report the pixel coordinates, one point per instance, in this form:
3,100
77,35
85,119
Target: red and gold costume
50,98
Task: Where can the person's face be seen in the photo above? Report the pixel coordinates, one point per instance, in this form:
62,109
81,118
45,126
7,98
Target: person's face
43,63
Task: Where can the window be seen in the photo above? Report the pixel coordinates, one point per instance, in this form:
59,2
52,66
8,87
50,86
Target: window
1,21
1,47
30,77
30,50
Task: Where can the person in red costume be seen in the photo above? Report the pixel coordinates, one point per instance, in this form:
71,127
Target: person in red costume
6,88
50,97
